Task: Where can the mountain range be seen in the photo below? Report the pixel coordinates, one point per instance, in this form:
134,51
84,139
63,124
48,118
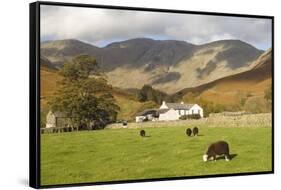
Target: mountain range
222,72
168,65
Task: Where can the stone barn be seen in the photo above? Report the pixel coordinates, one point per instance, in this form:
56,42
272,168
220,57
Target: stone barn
147,115
56,119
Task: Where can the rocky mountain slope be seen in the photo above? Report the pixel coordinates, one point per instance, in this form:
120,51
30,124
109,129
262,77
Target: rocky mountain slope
167,65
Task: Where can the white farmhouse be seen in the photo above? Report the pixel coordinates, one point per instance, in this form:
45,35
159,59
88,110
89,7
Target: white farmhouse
173,111
169,112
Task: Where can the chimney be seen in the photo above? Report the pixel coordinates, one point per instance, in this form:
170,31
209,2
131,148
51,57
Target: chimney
163,106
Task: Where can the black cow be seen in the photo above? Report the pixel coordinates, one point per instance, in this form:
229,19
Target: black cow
142,133
216,149
195,131
188,132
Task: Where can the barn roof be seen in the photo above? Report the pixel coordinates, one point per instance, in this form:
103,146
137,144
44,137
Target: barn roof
154,112
146,112
179,106
160,111
58,114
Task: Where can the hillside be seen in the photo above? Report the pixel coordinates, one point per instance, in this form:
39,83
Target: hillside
228,90
125,100
225,91
61,51
167,65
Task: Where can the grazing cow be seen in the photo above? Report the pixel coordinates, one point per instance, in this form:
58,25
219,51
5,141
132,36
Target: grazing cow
188,132
195,131
216,149
142,133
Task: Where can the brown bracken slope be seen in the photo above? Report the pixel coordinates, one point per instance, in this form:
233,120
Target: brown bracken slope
227,90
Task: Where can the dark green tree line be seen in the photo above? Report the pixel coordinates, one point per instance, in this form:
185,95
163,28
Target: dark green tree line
147,93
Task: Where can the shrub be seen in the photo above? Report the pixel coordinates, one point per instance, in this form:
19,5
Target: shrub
183,117
192,116
257,105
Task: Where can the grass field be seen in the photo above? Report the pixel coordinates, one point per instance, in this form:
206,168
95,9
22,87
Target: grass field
121,154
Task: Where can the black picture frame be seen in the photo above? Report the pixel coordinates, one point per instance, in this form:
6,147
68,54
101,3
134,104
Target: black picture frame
34,92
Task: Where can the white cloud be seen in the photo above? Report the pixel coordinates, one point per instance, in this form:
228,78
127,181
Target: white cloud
99,26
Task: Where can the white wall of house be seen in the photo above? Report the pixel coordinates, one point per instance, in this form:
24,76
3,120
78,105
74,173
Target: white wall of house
196,109
170,115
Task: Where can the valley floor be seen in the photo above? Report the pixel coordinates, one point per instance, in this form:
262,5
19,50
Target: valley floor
121,154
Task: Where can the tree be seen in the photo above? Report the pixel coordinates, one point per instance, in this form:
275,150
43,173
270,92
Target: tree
147,93
268,94
84,95
209,106
257,105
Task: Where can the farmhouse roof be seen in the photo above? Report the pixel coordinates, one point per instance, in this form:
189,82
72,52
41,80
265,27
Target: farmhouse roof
146,112
160,111
57,113
179,106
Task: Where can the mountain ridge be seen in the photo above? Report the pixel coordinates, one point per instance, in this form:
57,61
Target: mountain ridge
167,65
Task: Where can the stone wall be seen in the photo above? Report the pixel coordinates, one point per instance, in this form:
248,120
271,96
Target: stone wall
246,120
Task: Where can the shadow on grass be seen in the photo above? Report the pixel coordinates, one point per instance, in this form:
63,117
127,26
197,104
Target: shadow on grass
231,157
147,136
199,135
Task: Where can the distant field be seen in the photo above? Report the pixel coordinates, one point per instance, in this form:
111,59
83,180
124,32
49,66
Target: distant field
121,154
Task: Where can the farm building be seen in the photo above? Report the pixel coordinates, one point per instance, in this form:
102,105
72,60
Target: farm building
176,110
149,114
56,119
169,112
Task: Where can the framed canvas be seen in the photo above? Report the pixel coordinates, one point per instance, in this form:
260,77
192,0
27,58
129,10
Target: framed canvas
126,94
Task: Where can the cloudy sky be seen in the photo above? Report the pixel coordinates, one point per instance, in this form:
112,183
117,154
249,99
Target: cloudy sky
102,26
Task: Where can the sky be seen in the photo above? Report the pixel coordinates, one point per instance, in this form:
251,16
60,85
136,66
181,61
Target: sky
103,26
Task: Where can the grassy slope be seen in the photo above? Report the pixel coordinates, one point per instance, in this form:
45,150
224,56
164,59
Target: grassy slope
121,154
48,84
228,90
218,93
49,79
223,95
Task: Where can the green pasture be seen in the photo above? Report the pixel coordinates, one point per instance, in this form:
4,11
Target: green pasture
121,154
